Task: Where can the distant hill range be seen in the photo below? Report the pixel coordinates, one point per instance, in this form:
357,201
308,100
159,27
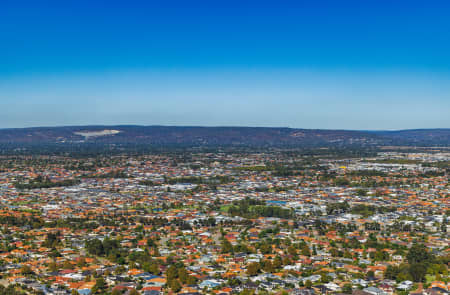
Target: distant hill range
217,136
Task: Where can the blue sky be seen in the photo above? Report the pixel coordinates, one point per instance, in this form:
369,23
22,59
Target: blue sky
307,64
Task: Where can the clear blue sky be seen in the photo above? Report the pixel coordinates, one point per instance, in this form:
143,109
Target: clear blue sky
308,64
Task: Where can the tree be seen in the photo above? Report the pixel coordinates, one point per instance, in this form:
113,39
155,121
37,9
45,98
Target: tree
172,273
54,253
265,248
268,267
286,261
361,192
94,247
305,250
154,268
419,259
52,240
26,270
156,252
308,284
81,262
67,265
277,262
175,286
100,286
226,246
183,275
347,289
418,253
334,252
418,271
191,280
325,279
391,272
292,251
151,267
253,269
247,292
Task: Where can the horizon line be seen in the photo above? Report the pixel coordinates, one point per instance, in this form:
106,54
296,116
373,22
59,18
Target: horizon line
223,126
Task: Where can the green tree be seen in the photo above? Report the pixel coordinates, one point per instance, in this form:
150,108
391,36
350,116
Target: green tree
418,271
253,269
347,289
268,266
100,286
172,272
226,246
175,285
419,259
418,254
94,247
305,250
183,275
308,284
292,251
26,270
277,262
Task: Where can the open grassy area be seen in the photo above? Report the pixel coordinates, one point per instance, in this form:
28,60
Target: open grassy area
430,278
225,208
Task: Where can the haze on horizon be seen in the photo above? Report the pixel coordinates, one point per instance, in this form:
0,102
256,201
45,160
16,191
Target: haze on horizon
361,65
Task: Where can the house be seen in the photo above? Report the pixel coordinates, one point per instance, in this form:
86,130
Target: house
209,284
436,291
302,291
359,282
388,289
405,285
374,291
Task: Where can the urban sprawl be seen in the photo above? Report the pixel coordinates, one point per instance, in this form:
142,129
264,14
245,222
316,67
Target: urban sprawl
226,222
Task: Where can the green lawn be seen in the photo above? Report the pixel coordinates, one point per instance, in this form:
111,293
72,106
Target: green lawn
430,278
225,208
